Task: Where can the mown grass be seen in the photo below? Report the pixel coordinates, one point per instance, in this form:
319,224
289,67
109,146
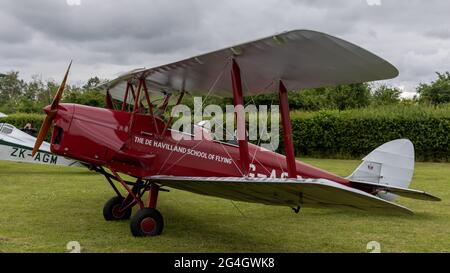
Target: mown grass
43,208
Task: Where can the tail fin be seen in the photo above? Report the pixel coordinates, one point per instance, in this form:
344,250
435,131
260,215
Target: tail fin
391,164
387,172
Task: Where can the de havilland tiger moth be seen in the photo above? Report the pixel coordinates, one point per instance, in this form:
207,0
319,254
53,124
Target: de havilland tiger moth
133,139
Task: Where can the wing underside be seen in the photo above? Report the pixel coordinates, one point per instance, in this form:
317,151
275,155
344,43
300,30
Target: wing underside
283,192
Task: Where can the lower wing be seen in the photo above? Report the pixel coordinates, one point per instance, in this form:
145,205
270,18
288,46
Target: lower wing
284,192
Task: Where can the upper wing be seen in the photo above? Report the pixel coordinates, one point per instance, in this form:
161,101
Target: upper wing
289,192
301,58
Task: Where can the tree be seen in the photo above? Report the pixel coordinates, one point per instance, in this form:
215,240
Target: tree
385,95
11,89
349,96
437,92
86,95
92,83
309,99
341,97
16,95
29,101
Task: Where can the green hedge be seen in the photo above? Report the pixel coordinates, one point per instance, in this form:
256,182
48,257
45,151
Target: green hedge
21,119
352,134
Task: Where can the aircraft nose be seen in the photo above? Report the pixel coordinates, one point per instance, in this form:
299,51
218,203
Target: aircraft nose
47,109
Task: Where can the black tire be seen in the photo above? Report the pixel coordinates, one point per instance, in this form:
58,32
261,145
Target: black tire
147,222
110,212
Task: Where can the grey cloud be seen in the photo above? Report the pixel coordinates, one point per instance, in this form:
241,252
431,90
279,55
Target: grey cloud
105,37
103,19
12,31
441,33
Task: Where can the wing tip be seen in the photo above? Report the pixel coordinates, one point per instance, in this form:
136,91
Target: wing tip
432,198
390,72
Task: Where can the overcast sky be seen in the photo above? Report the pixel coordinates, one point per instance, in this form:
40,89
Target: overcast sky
107,37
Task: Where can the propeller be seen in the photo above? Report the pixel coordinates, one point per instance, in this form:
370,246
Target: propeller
51,113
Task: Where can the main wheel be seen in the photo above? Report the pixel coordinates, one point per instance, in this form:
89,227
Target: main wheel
147,222
111,210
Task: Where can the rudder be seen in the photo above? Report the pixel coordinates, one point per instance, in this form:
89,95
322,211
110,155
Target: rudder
390,164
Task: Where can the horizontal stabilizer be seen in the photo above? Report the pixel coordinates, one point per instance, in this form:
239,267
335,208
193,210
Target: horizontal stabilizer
409,193
283,192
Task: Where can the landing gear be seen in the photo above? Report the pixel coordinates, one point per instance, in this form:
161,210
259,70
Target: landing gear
147,222
114,209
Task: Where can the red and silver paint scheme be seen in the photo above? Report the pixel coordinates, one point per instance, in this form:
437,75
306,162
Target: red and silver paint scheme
131,139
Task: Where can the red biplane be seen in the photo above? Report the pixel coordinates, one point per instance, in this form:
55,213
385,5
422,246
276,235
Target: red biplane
135,141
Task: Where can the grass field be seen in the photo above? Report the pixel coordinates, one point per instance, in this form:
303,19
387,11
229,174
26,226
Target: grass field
43,208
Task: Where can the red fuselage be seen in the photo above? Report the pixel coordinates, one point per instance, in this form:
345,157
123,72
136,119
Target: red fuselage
133,144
